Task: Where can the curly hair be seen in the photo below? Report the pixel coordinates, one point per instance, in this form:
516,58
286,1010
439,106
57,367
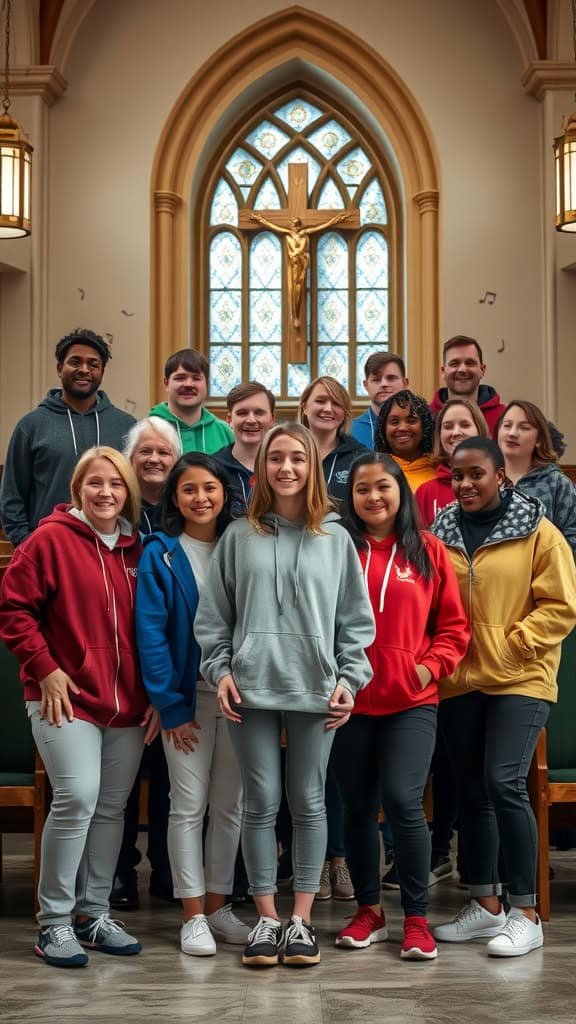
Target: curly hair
418,406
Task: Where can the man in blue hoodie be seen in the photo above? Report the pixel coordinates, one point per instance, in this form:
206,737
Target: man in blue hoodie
47,442
385,375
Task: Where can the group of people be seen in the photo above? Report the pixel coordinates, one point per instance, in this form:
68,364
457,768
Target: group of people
209,591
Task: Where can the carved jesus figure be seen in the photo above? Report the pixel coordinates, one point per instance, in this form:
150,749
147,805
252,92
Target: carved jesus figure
298,251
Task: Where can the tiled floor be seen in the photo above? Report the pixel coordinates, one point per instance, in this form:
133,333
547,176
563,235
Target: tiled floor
462,987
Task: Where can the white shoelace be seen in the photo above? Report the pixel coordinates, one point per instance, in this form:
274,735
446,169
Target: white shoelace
298,932
265,931
515,928
197,926
104,924
471,912
62,933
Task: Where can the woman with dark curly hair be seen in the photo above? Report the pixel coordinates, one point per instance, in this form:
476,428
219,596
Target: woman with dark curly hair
405,430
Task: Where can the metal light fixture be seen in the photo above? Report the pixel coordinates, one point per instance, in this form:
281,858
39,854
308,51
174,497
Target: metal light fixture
565,158
15,160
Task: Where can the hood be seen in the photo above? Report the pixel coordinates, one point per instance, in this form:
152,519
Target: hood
423,462
520,520
346,445
53,402
286,538
488,398
161,540
164,413
62,515
542,472
444,472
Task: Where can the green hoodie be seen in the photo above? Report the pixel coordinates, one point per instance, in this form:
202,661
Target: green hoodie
208,435
287,614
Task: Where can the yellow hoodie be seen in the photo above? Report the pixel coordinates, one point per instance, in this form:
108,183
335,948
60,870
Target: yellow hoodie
519,592
420,471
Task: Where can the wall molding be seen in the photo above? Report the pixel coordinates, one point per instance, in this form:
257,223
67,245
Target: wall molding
544,75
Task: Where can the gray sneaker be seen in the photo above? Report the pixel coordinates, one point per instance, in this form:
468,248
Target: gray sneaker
106,936
58,946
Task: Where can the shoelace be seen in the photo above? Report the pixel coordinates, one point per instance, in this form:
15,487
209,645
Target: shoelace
298,932
62,933
468,913
104,924
341,874
325,875
265,931
416,929
199,926
361,917
514,928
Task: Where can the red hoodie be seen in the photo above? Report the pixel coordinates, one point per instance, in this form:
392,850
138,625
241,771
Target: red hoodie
418,622
435,494
488,401
68,602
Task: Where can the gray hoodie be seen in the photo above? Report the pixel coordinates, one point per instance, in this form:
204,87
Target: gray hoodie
558,495
287,614
43,451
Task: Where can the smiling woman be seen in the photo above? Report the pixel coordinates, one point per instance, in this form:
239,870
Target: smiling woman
405,430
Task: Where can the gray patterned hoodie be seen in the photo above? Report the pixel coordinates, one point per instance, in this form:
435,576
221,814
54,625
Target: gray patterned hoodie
558,495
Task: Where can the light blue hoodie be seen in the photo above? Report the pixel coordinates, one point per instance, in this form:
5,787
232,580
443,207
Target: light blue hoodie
287,614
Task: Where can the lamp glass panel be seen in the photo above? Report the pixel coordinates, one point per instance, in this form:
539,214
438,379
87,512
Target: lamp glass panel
9,182
557,165
27,168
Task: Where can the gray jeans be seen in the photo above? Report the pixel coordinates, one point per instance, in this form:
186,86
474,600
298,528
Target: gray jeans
91,771
257,743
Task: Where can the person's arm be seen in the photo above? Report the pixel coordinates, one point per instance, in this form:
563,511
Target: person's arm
152,613
451,628
564,516
216,615
270,224
26,588
16,487
354,626
554,595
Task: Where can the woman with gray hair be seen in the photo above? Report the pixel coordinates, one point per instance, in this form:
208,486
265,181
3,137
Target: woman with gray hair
152,446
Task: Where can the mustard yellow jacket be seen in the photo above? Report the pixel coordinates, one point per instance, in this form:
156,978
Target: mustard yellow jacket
519,592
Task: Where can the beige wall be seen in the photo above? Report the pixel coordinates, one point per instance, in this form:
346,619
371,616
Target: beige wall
127,66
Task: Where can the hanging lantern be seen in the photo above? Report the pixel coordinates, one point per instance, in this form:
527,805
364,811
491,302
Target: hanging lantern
15,162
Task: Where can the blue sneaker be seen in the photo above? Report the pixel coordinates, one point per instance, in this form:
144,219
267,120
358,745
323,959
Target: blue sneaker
106,936
58,946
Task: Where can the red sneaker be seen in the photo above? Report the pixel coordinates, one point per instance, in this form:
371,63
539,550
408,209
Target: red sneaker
365,927
418,942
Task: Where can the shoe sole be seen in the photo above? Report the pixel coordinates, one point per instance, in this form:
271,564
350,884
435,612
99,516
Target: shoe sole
347,942
488,933
198,952
414,953
111,950
240,941
518,952
260,961
299,960
320,898
342,898
78,961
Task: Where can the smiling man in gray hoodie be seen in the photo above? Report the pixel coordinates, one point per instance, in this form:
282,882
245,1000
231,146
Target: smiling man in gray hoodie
47,442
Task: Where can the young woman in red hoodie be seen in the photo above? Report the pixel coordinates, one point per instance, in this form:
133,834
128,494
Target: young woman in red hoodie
457,419
67,613
382,756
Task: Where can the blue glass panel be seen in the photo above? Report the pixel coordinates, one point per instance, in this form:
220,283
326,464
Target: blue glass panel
225,261
224,208
266,316
329,139
298,114
372,261
299,156
330,197
332,261
372,315
362,353
243,167
298,377
266,366
333,362
267,139
373,205
267,198
265,261
354,167
333,316
225,316
225,369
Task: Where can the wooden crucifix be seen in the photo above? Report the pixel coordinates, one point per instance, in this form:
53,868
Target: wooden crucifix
297,223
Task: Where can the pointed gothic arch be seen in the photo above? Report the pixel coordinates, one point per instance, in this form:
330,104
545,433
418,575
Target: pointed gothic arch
300,39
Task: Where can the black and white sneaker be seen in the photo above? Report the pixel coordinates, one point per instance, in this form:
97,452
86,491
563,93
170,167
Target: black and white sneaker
264,943
300,946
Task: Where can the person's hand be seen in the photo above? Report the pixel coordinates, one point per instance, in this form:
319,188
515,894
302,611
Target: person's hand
341,704
151,722
183,736
424,675
227,695
55,697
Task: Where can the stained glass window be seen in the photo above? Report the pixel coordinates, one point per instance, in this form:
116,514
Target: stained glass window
352,284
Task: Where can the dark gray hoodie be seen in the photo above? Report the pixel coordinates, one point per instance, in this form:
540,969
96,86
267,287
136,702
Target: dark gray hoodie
287,614
43,451
558,495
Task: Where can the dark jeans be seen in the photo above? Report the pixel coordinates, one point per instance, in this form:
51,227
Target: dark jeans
155,767
385,759
490,740
444,800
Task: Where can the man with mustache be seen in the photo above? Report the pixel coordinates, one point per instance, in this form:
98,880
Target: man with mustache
385,375
186,384
463,370
47,442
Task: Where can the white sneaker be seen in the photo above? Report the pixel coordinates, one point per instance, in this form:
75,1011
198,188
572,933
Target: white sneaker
473,922
196,939
226,927
519,935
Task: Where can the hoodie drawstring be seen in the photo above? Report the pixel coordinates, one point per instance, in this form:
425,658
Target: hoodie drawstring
386,578
332,469
74,435
278,576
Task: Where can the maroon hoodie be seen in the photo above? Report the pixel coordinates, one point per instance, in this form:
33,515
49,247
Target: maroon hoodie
67,602
488,401
418,622
435,494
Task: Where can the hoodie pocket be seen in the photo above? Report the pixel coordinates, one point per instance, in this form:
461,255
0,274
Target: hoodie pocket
283,662
395,675
495,664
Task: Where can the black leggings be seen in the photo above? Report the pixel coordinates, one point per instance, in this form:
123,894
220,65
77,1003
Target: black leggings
385,759
491,740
